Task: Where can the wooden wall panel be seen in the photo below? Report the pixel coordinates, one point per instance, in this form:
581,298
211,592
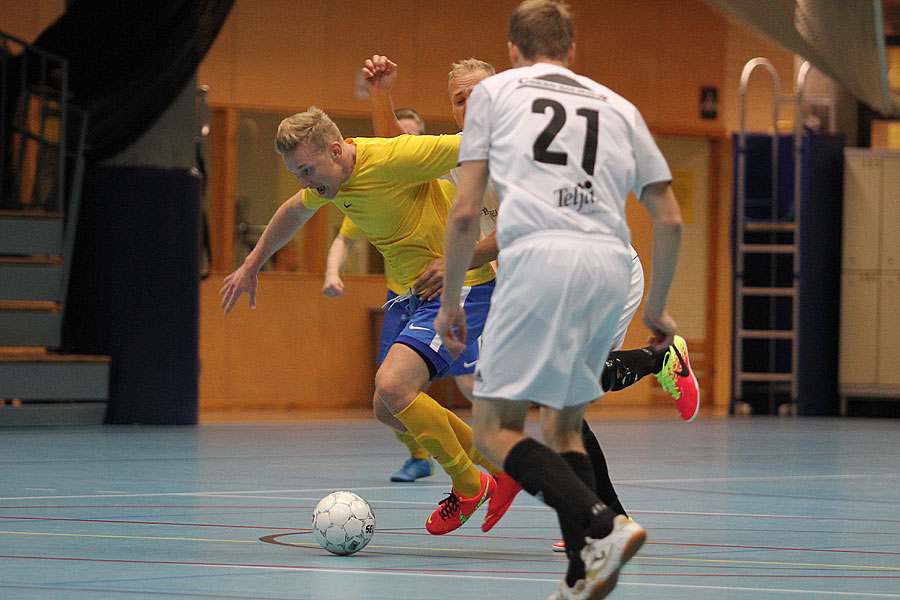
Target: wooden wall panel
26,20
285,55
296,350
289,55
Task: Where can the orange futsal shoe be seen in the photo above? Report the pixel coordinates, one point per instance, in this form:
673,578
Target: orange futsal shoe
507,489
453,510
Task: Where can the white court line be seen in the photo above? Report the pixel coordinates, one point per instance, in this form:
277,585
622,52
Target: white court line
392,573
256,494
766,478
753,515
239,493
317,498
754,589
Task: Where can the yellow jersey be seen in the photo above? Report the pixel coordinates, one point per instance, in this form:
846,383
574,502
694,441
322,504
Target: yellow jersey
351,231
394,198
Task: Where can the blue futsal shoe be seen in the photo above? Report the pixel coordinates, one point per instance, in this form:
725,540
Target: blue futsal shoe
412,469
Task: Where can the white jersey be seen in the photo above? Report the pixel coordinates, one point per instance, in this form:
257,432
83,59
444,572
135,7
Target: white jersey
563,150
489,203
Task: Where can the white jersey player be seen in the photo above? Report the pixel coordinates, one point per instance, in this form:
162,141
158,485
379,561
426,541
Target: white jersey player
564,152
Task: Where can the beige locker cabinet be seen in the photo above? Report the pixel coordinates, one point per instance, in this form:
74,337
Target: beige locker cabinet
870,276
889,330
859,327
862,211
890,213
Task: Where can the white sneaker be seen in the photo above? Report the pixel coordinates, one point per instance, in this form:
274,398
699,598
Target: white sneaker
603,559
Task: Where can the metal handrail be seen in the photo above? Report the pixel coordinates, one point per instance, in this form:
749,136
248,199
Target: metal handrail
49,88
44,89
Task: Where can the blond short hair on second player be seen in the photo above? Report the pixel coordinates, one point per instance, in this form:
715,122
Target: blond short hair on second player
469,65
542,29
409,113
313,127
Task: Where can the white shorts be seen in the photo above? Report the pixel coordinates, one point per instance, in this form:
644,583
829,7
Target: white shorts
635,295
558,301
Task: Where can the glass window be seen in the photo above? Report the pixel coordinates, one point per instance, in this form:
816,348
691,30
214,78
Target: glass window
263,184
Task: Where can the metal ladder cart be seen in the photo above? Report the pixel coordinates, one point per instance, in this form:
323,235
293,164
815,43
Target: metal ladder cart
766,252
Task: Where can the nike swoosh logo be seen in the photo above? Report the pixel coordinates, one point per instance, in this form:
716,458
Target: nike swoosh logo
347,205
683,372
469,364
411,326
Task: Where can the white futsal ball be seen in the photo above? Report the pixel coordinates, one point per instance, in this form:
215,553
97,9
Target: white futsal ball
343,523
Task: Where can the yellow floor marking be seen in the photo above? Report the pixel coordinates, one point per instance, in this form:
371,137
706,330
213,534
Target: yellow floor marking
427,549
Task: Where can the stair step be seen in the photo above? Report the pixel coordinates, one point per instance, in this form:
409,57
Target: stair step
52,413
24,323
31,278
39,375
19,354
24,232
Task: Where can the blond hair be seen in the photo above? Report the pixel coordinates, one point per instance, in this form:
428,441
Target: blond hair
313,127
542,29
409,113
469,65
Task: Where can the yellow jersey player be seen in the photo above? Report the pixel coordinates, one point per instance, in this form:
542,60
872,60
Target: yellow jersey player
388,187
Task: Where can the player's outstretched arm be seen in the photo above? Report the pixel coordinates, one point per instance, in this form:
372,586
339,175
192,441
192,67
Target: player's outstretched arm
380,74
459,246
663,207
337,257
286,221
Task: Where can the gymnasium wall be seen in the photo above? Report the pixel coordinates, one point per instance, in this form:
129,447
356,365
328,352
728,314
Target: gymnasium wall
281,54
285,55
658,53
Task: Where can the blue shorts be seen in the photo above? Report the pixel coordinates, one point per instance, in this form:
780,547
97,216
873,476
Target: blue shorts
410,321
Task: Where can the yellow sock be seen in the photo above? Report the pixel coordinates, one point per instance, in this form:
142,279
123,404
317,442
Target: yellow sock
427,421
415,450
464,435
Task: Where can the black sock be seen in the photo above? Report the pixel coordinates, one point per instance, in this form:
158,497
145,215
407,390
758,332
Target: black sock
572,534
552,478
544,474
602,483
625,367
659,358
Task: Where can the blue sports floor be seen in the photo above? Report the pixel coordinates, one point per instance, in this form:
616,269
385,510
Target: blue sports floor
734,508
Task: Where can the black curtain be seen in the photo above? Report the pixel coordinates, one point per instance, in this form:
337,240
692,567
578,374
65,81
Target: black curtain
129,60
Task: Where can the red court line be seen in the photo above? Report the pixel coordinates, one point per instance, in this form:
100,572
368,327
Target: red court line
426,570
265,527
388,531
739,516
730,546
298,529
186,506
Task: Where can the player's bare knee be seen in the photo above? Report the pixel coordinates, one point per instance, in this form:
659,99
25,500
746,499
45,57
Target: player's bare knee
393,392
381,411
